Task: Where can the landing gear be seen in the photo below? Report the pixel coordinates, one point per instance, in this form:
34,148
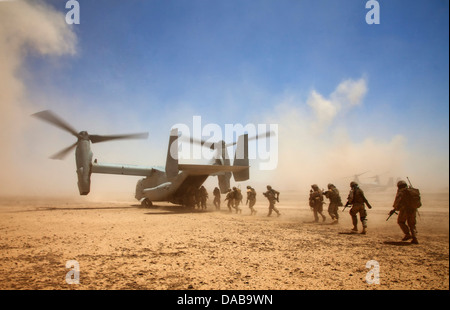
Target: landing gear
146,203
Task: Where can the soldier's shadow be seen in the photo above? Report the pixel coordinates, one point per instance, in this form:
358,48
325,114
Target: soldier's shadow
350,233
397,243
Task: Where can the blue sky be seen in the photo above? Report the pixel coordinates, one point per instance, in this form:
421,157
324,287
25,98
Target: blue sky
159,54
161,62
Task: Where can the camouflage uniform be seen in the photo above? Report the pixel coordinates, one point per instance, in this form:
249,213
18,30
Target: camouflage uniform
203,197
237,199
197,198
189,197
316,202
251,197
335,201
407,213
230,198
216,201
273,197
357,199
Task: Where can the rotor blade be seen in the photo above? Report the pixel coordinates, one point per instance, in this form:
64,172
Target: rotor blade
192,140
100,138
260,136
200,142
55,120
63,153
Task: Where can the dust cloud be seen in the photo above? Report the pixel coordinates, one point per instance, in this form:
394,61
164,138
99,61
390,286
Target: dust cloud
316,146
26,28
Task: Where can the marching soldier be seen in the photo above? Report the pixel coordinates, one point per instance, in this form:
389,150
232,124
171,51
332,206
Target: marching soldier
197,198
316,202
251,197
237,198
230,198
216,193
203,197
335,201
357,199
407,212
273,197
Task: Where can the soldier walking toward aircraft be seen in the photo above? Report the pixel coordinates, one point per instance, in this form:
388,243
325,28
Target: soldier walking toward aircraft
316,202
237,199
357,199
273,197
203,197
189,197
230,198
216,193
251,197
335,201
407,202
197,198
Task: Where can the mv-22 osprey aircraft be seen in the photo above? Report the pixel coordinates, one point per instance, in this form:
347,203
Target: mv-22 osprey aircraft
171,184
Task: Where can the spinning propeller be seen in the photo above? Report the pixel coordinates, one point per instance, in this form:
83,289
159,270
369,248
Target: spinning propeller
49,117
225,145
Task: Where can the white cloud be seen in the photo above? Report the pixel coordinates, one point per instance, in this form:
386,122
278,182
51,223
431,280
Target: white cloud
347,94
311,151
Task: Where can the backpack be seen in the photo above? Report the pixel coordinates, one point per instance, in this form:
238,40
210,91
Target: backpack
414,197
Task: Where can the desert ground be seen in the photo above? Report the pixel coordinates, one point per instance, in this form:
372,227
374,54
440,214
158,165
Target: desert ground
122,245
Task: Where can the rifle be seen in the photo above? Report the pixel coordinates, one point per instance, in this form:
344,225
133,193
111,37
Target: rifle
392,212
410,185
346,205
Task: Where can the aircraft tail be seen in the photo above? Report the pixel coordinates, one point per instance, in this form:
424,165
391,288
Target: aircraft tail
172,154
241,159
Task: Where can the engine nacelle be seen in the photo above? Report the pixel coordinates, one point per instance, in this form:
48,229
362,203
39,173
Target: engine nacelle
83,156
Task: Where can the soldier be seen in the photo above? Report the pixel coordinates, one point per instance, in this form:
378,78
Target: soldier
237,195
335,201
216,193
357,199
197,198
316,202
273,197
203,197
189,198
251,197
230,198
407,212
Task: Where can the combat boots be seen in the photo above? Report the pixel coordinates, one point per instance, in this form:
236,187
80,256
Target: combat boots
406,237
364,231
414,240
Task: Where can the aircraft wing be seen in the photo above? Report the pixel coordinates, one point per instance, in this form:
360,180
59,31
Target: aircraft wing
209,169
122,169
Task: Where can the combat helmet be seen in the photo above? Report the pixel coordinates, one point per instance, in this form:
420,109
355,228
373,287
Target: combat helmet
353,184
401,184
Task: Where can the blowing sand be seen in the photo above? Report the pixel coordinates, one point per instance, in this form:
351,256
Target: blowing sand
121,245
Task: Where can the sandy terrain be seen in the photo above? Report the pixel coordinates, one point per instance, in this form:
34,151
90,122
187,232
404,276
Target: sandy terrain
121,245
